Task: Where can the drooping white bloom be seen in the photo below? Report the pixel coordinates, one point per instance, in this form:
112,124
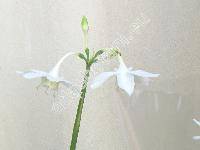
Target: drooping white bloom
49,79
125,77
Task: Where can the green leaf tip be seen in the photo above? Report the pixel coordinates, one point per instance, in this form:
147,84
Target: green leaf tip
81,56
84,24
99,53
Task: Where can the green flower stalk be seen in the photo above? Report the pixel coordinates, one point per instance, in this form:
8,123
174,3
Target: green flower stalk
89,60
79,110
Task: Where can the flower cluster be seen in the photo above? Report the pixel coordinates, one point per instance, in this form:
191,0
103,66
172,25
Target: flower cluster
125,76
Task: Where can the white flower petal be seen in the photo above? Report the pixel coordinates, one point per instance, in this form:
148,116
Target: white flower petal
196,137
100,79
33,74
196,121
55,71
122,65
143,73
52,78
126,82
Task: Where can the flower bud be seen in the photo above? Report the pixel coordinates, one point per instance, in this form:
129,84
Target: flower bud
84,24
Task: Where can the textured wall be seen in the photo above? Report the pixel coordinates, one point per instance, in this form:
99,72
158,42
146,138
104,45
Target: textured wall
158,36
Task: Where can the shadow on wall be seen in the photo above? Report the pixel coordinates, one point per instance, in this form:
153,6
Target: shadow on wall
162,120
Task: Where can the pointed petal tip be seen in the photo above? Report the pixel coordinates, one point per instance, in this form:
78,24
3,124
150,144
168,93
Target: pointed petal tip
129,93
154,75
32,74
157,75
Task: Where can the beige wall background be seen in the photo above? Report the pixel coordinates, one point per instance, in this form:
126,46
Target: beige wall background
157,36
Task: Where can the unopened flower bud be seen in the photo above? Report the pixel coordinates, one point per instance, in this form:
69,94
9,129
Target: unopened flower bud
84,24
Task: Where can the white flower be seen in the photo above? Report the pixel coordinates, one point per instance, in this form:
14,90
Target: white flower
125,77
49,79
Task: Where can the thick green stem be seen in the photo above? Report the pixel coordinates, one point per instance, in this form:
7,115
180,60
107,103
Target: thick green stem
79,110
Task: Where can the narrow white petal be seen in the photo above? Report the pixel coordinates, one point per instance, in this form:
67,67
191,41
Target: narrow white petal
100,79
196,121
196,137
143,73
126,82
122,65
33,74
